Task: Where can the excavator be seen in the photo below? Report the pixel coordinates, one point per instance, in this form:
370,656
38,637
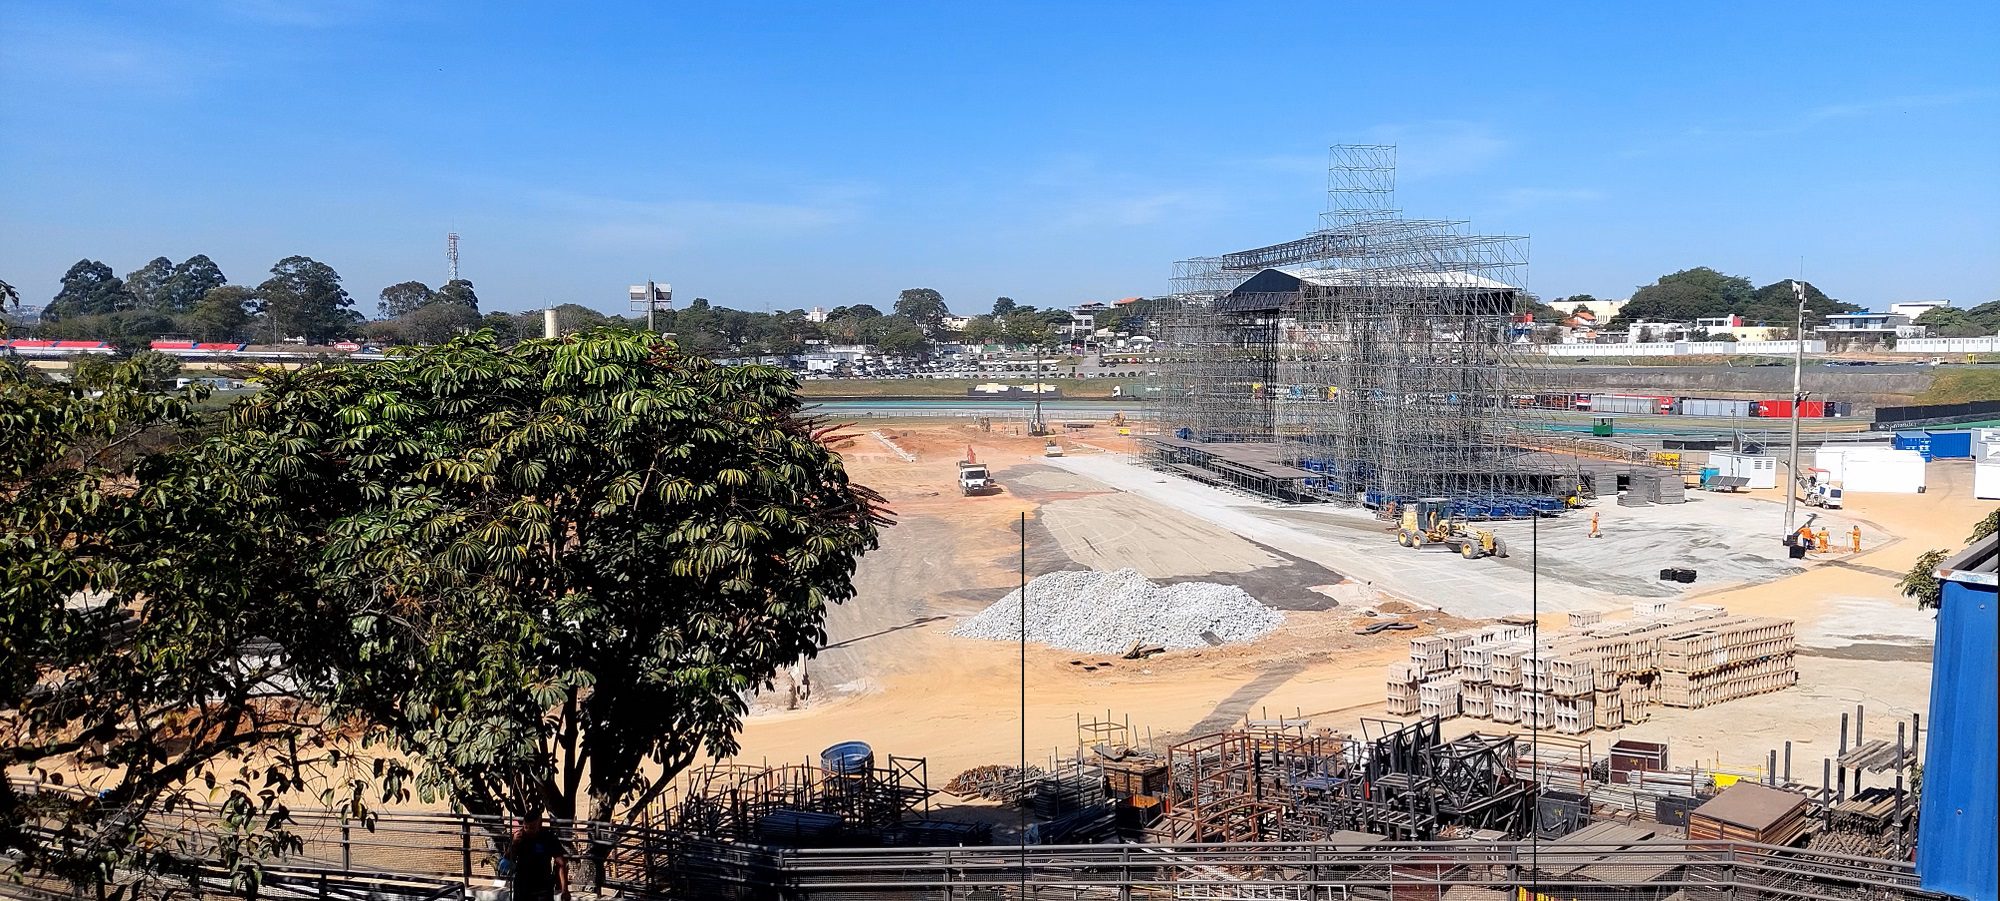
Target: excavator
1426,522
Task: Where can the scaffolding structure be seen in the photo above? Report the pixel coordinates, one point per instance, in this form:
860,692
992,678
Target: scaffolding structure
1372,360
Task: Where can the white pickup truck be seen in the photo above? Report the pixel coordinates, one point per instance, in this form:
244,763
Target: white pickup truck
973,478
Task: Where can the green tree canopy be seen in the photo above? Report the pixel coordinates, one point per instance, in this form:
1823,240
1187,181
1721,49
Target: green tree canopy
222,314
303,296
923,306
148,284
437,322
459,291
1002,306
133,594
1951,322
89,288
402,298
192,280
563,563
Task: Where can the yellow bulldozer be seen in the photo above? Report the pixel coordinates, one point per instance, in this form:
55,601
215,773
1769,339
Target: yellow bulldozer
1428,522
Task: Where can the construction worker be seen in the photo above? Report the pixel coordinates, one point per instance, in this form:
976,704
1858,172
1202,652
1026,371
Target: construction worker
1857,539
1824,542
1593,525
1804,537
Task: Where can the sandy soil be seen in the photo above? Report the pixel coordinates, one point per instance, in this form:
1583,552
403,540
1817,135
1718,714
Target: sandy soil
893,677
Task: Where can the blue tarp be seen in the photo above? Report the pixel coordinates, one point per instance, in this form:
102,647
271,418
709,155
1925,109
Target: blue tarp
1959,819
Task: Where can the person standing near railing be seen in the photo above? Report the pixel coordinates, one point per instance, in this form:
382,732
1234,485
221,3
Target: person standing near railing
540,862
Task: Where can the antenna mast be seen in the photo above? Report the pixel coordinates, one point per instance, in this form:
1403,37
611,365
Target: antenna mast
451,253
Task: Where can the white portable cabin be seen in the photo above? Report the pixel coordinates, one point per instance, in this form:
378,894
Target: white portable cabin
1761,470
1878,470
1986,464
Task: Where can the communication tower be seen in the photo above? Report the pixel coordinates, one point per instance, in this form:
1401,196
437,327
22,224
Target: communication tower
451,253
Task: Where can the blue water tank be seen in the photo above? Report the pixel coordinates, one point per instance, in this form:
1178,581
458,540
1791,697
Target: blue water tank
849,758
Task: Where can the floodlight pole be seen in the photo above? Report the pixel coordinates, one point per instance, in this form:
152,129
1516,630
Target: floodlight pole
1798,400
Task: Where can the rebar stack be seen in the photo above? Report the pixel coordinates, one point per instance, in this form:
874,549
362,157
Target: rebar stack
1370,361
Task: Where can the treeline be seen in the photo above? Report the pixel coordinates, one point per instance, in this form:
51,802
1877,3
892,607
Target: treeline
305,298
1951,322
1704,293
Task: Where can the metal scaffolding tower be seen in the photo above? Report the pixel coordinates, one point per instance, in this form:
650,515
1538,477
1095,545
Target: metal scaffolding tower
1372,360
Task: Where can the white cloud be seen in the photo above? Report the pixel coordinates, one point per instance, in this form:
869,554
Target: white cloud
1439,148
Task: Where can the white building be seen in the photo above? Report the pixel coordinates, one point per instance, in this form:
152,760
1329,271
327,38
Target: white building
816,314
1866,326
1916,308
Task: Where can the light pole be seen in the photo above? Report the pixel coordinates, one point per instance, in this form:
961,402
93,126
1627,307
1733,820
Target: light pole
649,297
1798,400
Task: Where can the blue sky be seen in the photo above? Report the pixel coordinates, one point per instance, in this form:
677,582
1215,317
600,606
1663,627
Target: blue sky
788,155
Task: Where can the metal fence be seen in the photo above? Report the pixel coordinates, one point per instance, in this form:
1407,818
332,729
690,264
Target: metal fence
445,857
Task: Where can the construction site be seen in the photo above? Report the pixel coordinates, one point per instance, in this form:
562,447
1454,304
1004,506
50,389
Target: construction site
1372,361
1210,648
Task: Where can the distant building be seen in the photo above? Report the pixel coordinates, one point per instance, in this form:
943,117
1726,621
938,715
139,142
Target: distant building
956,323
1604,310
1868,327
1916,308
816,314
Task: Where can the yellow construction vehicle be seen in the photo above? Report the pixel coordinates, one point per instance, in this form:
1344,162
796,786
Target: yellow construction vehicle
1426,522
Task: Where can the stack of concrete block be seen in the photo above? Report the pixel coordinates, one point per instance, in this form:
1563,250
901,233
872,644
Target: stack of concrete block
1475,699
1579,619
1462,658
1439,698
1722,660
1403,681
1573,716
1595,674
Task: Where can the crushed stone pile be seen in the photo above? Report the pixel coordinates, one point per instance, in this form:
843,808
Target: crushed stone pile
1105,612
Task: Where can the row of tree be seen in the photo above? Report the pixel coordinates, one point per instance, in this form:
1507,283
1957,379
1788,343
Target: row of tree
305,298
543,575
1950,322
1704,293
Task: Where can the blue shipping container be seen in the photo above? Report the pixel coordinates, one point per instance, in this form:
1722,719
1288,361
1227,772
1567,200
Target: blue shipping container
1950,445
1916,441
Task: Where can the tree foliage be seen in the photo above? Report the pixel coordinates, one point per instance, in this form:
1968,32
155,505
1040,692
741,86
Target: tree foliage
402,298
192,280
222,314
137,617
148,283
1950,322
459,291
923,306
1702,292
89,288
1921,583
562,563
303,297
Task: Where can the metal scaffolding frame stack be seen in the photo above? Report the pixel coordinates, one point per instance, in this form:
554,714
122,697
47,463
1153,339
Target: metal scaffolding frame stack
1373,359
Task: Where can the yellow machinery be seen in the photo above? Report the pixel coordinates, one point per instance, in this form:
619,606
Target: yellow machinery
1426,522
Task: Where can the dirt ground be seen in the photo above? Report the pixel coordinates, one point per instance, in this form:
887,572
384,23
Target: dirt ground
891,674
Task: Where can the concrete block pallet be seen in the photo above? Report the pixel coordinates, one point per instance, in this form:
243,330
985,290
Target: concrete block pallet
1595,674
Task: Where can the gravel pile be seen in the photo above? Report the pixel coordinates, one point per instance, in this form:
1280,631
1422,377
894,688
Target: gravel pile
1106,612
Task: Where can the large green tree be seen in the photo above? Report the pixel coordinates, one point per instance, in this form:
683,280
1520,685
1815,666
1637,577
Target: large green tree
222,314
923,306
147,617
303,297
436,322
89,288
459,291
192,280
148,283
563,564
403,297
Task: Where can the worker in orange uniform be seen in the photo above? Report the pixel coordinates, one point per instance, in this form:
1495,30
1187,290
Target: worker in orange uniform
1593,525
1803,537
1825,541
1857,539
